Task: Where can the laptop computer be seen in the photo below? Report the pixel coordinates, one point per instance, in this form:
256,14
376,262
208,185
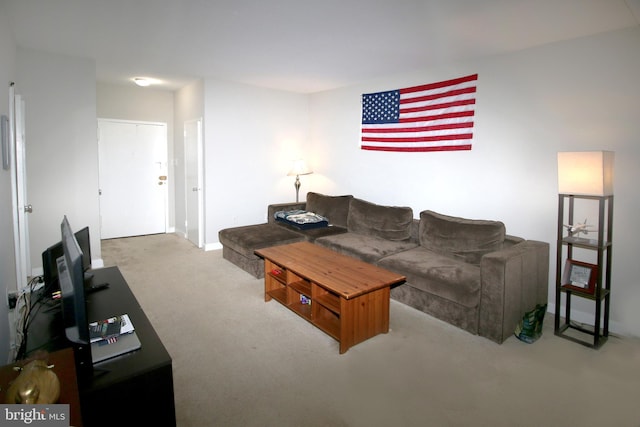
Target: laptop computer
124,343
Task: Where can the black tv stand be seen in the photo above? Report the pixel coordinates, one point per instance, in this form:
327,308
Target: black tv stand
138,384
95,286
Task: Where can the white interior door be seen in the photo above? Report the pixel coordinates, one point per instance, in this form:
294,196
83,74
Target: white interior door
19,189
194,181
133,178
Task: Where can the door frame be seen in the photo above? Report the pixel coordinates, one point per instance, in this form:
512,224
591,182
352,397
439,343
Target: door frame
18,189
200,186
142,122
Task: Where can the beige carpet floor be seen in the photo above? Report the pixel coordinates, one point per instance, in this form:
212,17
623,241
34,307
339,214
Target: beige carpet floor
238,361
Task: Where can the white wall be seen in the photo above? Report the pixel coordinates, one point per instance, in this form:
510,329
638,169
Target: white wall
571,96
61,146
189,105
146,105
7,257
251,137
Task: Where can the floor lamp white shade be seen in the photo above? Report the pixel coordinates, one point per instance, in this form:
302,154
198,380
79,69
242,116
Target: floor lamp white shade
585,173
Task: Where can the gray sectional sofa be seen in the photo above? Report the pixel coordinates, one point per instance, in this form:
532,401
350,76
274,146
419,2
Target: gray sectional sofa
467,272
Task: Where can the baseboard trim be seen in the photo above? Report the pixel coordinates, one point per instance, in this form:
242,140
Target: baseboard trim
213,246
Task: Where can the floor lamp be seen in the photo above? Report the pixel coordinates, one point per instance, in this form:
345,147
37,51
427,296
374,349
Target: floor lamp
586,176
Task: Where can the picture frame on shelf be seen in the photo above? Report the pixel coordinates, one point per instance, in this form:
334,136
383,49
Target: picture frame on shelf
580,276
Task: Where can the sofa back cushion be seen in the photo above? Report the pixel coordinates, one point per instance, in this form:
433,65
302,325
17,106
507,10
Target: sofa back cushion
334,208
467,239
386,222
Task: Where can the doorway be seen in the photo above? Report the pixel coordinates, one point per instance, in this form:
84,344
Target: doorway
16,162
194,176
133,178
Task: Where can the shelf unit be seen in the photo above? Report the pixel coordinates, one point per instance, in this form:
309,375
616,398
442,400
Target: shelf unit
602,290
319,306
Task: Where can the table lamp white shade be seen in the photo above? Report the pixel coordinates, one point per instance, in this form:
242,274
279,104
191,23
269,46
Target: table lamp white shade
299,168
585,173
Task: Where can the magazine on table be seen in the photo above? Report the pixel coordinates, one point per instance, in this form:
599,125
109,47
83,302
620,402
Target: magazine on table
111,327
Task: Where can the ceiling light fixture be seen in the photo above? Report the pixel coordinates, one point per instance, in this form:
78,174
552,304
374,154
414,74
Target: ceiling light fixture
141,82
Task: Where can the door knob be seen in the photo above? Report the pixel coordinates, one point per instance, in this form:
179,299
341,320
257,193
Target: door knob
28,209
194,189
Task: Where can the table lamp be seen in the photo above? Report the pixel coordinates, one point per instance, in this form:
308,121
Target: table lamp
299,168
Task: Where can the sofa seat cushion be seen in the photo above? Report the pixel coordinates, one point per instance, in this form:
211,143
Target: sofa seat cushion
315,233
437,274
366,248
334,208
246,239
385,222
466,239
311,234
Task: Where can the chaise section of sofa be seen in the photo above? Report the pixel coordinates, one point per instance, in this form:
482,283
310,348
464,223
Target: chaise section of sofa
240,243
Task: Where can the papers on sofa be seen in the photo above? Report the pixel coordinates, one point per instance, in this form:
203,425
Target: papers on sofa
301,219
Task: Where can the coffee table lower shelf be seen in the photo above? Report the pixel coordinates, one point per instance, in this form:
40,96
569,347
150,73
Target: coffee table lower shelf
347,321
328,323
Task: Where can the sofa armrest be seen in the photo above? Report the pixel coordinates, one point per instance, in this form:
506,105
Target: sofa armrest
273,208
513,281
511,240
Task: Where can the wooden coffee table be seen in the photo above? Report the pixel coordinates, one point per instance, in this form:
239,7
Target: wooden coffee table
343,296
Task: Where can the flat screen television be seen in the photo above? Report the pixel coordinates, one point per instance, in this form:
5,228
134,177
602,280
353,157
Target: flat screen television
52,253
74,306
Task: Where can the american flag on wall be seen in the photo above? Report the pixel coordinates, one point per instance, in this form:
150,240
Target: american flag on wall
432,117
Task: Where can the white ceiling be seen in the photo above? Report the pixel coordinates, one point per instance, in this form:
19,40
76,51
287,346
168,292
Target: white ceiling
299,45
